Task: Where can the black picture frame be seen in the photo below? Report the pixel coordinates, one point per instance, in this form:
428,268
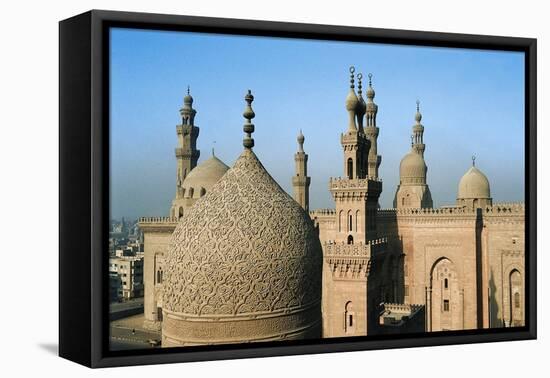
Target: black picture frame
84,185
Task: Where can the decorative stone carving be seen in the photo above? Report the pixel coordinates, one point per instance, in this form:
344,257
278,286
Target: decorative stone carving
245,249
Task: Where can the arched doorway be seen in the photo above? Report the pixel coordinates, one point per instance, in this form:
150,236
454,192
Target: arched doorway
446,298
515,300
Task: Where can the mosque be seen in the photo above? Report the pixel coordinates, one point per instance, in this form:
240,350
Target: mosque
239,260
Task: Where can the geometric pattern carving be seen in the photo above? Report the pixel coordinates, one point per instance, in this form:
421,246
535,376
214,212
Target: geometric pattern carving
246,247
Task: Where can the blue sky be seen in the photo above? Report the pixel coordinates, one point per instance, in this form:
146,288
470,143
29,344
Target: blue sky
472,103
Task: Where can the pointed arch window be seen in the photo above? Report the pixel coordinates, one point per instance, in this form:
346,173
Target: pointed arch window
349,318
159,276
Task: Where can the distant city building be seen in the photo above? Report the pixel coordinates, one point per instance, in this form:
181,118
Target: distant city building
115,287
129,270
412,268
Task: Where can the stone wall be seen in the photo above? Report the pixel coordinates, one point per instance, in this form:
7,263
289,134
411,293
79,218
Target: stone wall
157,232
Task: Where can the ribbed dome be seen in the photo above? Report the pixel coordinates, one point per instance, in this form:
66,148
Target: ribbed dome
412,166
474,184
246,259
203,177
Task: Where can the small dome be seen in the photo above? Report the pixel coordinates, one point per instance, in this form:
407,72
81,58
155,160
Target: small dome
300,138
370,89
203,176
370,93
244,265
412,166
188,99
474,184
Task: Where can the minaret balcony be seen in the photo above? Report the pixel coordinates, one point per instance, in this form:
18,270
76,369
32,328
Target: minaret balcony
354,138
186,154
186,129
368,184
301,180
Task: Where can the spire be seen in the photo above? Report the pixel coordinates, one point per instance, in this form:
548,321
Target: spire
418,115
300,180
361,105
370,90
371,107
187,112
300,140
248,127
187,153
473,160
418,132
352,101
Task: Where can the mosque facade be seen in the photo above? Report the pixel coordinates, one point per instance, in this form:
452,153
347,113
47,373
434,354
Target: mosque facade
239,260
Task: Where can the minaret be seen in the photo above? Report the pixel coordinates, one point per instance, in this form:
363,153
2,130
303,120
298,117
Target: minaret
356,195
355,144
346,294
301,181
187,154
371,131
413,190
418,132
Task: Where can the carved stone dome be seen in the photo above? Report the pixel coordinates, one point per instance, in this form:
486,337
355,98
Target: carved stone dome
412,168
474,184
201,178
244,265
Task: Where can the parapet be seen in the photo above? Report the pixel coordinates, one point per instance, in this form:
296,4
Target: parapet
322,212
399,314
365,186
431,211
517,208
158,224
361,250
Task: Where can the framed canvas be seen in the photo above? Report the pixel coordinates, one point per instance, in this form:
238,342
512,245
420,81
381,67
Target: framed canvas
236,188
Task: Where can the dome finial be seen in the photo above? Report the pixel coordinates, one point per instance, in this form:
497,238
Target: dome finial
248,127
187,112
370,90
418,115
300,140
188,89
473,160
352,102
361,108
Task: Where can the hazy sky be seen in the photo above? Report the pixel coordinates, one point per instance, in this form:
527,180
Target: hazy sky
472,102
